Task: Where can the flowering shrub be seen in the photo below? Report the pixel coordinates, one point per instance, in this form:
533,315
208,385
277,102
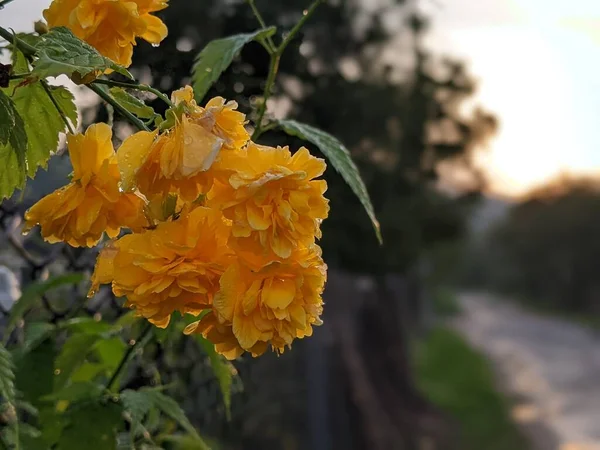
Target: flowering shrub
194,218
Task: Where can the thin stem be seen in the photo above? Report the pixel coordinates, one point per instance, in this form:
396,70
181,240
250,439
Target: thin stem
137,87
262,109
27,49
16,76
274,65
57,106
3,3
305,16
115,104
128,354
270,44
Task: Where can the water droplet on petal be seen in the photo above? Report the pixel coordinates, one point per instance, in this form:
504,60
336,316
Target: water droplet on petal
155,45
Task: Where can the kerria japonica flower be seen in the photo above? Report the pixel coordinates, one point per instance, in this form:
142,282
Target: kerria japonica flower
92,203
110,26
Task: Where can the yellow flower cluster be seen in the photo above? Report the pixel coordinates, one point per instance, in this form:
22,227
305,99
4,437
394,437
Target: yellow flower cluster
111,26
222,228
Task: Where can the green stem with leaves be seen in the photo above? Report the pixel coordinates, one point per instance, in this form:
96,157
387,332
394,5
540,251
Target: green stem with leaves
140,342
115,104
270,44
275,58
135,86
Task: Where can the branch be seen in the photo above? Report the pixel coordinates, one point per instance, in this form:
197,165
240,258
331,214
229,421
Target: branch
141,341
115,104
138,87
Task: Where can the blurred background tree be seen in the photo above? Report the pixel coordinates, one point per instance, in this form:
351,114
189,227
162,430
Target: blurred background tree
362,73
545,249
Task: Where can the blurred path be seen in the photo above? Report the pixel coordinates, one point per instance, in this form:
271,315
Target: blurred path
550,365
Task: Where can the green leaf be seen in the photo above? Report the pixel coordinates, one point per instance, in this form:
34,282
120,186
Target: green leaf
212,61
32,294
35,371
72,355
93,426
110,352
12,128
35,334
88,371
139,403
61,52
34,106
7,376
51,422
76,392
222,370
66,102
132,104
339,157
86,325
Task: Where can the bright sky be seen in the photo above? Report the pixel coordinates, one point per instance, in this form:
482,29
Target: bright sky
538,64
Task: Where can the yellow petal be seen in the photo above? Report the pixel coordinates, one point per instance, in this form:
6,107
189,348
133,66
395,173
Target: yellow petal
279,294
132,154
156,30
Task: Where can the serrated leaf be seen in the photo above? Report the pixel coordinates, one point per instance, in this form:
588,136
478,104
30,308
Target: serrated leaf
35,107
72,354
222,369
142,401
66,102
76,392
93,426
60,52
7,376
212,61
339,157
137,404
32,294
132,104
12,128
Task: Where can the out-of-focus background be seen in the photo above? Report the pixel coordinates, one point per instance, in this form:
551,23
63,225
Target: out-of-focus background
474,125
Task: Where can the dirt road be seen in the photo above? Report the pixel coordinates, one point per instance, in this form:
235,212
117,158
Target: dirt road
550,365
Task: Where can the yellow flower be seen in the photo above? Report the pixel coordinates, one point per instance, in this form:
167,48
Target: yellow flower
174,267
221,335
272,198
81,211
219,116
179,160
110,26
272,306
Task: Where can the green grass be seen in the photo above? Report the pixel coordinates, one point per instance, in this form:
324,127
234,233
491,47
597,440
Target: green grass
459,381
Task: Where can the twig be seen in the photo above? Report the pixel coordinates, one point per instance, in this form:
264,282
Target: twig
128,354
271,48
138,87
274,64
115,104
